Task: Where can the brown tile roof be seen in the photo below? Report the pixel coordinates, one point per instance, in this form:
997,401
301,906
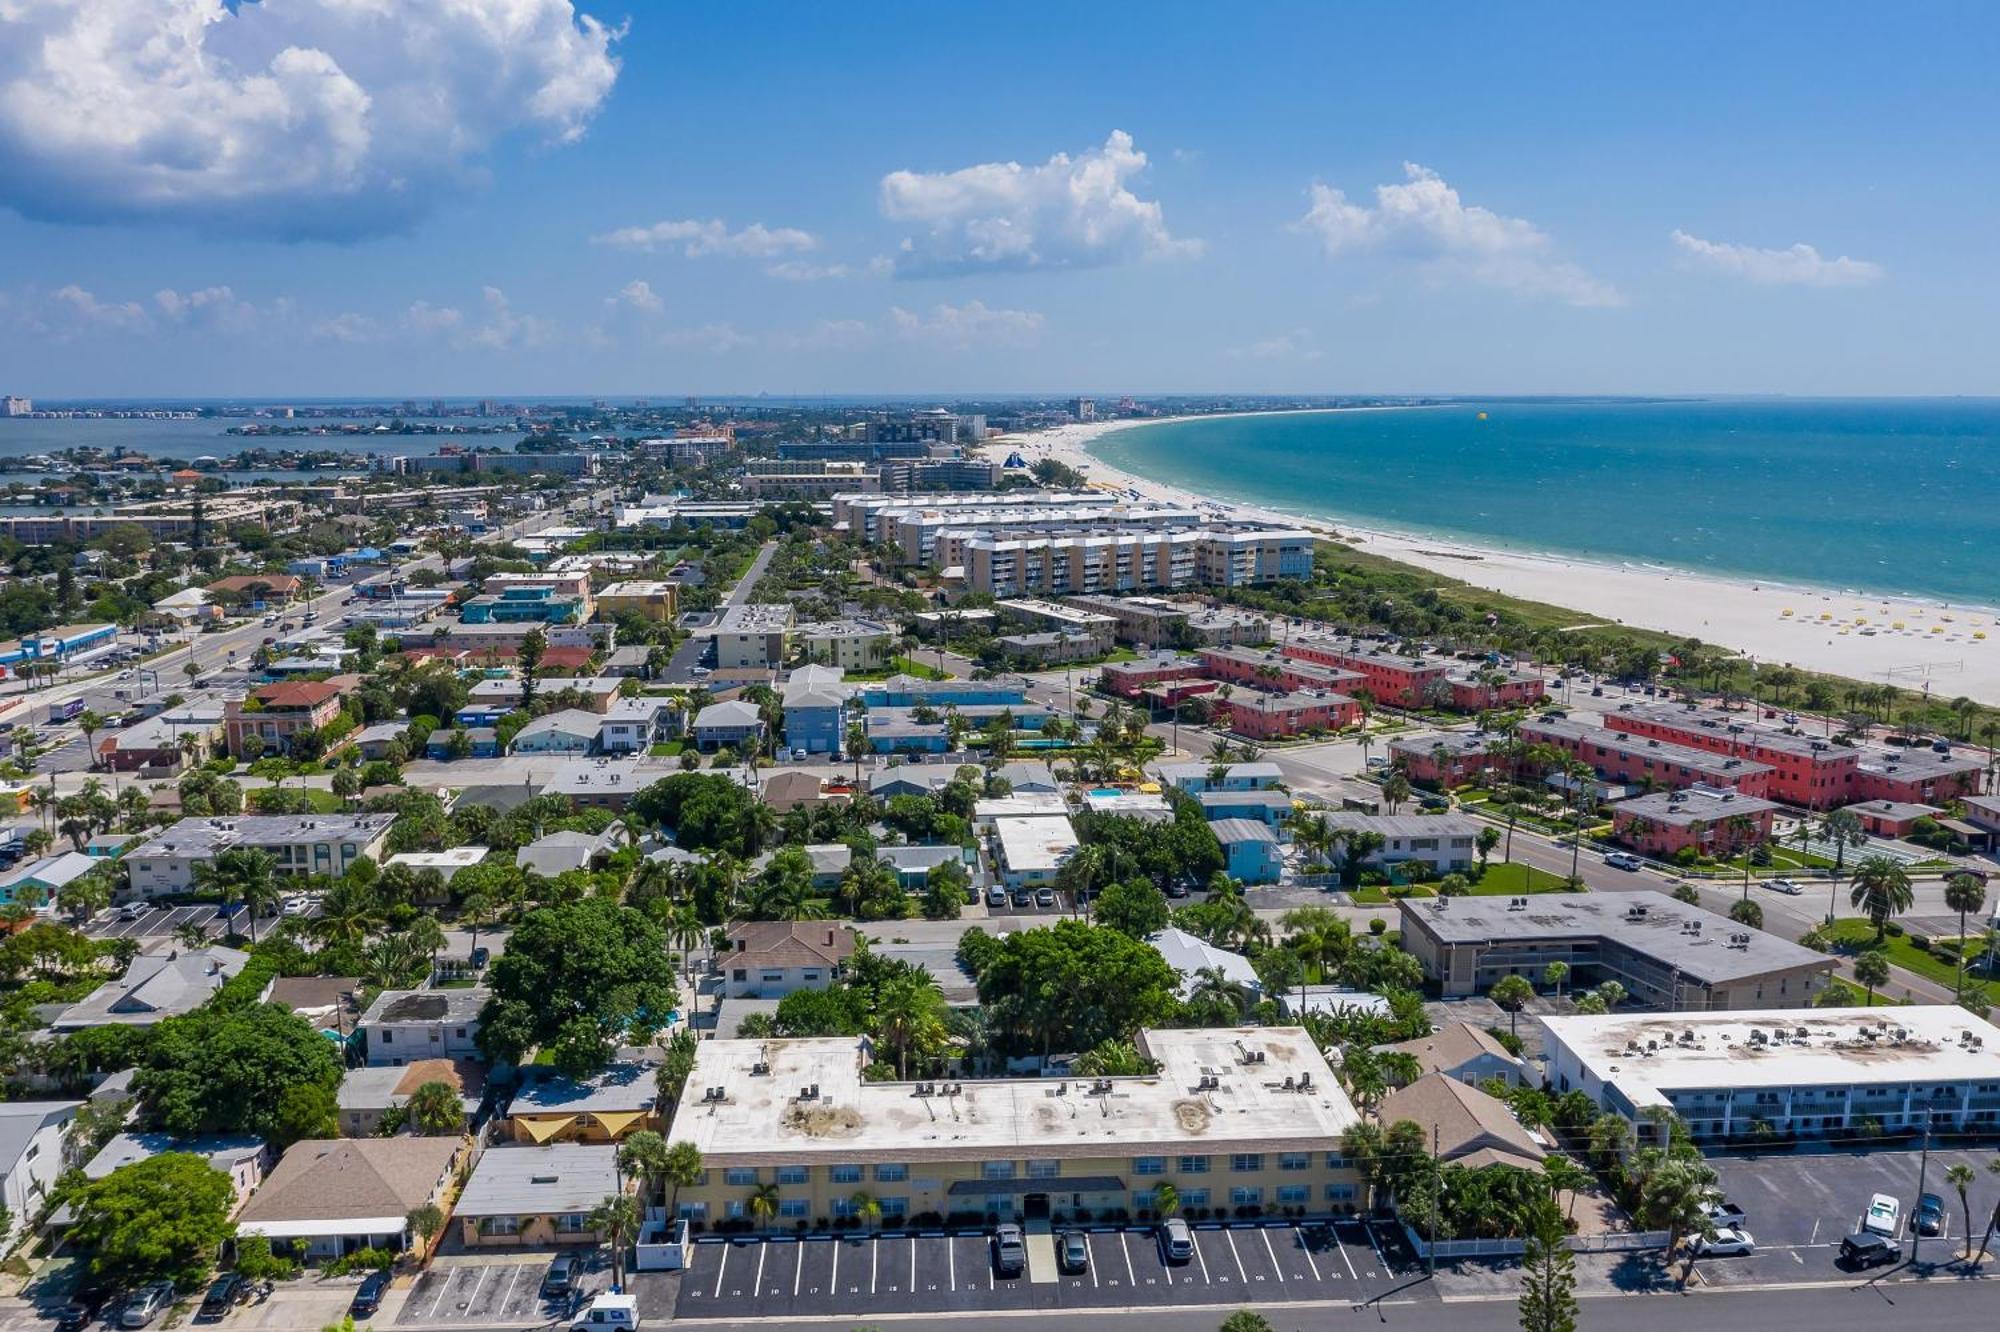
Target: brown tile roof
282,583
1451,1046
788,790
336,1180
308,994
1472,1128
297,694
790,943
461,1075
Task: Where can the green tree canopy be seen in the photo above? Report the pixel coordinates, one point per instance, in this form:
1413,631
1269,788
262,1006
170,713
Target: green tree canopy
160,1219
577,977
227,1070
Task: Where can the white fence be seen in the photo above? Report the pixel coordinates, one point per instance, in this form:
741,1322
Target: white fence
663,1245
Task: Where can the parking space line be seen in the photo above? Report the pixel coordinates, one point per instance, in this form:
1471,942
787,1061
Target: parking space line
1241,1275
913,1264
1341,1248
1299,1234
875,1261
719,1269
1090,1254
798,1271
444,1289
951,1266
833,1278
757,1282
1369,1231
477,1282
1126,1249
1274,1255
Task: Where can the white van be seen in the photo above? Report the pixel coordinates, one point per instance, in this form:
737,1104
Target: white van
608,1313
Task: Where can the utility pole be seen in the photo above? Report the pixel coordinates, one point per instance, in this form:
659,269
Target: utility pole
1923,1168
1437,1206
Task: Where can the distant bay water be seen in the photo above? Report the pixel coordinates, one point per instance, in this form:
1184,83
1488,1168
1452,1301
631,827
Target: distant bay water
181,439
1897,496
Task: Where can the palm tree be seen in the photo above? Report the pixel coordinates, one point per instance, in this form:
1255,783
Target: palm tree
243,874
681,1168
617,1218
1963,893
1362,1146
1673,1197
1215,990
1395,790
350,913
910,1015
1512,993
435,1110
643,1156
1166,1200
1553,976
763,1204
867,1207
1960,1177
1881,889
1566,1176
1871,969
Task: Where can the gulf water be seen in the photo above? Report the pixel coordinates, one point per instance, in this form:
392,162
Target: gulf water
1896,496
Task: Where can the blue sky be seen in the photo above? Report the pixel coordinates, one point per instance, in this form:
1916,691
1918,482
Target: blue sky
324,197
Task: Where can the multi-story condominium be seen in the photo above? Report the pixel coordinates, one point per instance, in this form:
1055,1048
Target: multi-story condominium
1618,757
1262,669
1447,843
849,644
754,634
404,1026
1446,758
299,843
1818,774
1390,678
1713,820
1239,1121
853,450
869,516
278,713
908,475
574,584
656,599
1094,633
1782,1073
1065,563
1665,953
1129,679
1263,716
802,480
524,605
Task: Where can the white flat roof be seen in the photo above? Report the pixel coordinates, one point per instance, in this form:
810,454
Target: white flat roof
763,1121
1034,843
1645,1054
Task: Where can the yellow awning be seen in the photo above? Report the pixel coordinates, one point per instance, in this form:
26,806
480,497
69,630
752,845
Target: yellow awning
615,1122
541,1130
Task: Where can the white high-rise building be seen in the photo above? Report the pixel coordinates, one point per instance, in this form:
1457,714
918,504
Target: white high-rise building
13,406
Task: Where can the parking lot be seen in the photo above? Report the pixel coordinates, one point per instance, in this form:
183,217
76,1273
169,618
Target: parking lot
503,1290
1800,1206
110,924
861,1275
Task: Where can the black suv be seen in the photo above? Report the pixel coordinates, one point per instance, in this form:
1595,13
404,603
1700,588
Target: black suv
368,1299
1866,1249
85,1303
224,1291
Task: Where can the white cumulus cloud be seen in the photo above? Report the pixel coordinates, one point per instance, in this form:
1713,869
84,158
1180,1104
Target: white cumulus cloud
297,118
638,295
1069,212
968,325
1425,219
1799,266
698,240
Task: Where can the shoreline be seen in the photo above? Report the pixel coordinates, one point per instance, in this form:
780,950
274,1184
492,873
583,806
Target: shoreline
1858,639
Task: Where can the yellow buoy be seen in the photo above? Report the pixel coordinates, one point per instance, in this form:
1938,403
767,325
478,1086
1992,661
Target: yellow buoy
1482,416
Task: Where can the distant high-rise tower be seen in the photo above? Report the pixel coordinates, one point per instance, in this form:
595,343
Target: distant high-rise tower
1083,409
13,406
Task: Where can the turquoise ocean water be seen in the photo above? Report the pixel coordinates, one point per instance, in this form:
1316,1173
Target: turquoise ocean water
1888,496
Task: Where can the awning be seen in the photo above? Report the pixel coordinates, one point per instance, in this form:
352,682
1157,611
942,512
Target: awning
541,1130
615,1122
364,1226
961,1188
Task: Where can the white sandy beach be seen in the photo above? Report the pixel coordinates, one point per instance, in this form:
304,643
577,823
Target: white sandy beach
1842,633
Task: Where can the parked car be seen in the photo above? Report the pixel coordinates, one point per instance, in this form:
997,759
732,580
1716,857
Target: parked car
224,1291
1624,860
480,956
1725,1215
1176,1240
1884,1216
1175,888
85,1303
1788,887
996,896
1726,1242
565,1274
1928,1219
1863,1249
145,1304
134,910
1074,1252
368,1299
1045,897
1010,1251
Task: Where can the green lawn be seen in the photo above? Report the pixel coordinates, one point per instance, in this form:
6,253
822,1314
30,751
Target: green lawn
1516,880
666,749
1855,936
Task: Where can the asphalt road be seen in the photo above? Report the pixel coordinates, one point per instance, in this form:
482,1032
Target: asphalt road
694,651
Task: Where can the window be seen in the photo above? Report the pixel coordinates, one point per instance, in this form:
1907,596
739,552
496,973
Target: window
792,1174
843,1207
388,1037
1243,1161
1293,1194
499,1225
844,1174
771,977
996,1170
1241,1196
1335,1161
1044,1169
739,974
734,1207
743,1175
1002,1203
894,1207
695,1211
570,1223
460,1033
891,1174
1194,1165
1340,1193
793,1207
1294,1160
1149,1165
1194,1197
